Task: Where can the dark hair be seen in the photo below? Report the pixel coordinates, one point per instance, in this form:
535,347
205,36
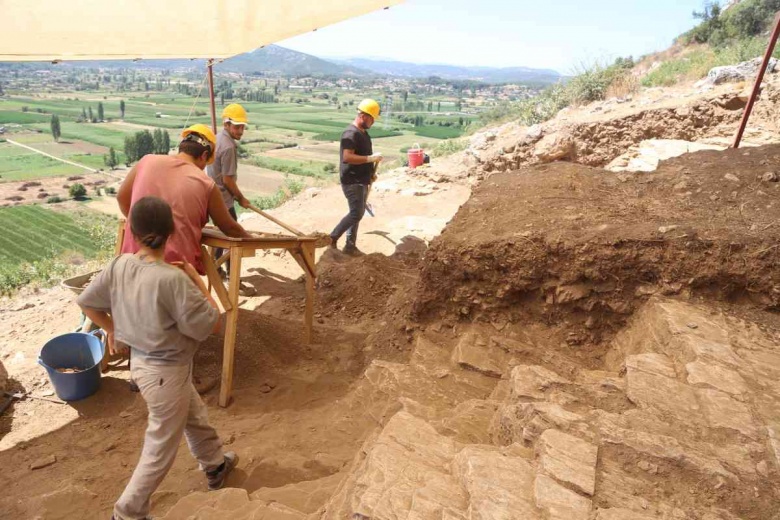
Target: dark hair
151,221
193,149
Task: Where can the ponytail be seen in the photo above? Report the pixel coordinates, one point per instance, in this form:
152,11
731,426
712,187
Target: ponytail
151,222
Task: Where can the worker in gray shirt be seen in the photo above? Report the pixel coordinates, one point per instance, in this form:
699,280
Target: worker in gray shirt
224,170
162,312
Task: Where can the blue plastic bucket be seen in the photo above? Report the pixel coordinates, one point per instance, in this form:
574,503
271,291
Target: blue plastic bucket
74,350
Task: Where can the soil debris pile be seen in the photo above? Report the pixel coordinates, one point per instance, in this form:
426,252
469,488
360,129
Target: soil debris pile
564,242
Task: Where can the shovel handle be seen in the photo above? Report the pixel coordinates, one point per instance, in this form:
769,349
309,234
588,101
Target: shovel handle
275,220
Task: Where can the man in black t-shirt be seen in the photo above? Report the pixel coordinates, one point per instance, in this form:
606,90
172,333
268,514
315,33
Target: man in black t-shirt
358,163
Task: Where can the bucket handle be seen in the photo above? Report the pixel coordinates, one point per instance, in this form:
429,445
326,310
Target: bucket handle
101,334
416,146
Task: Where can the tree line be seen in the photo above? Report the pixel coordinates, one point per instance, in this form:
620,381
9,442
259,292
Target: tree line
144,143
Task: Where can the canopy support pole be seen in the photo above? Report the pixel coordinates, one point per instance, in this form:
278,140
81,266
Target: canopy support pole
759,79
211,97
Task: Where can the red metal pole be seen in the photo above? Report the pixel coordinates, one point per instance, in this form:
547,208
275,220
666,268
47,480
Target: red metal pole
757,87
211,97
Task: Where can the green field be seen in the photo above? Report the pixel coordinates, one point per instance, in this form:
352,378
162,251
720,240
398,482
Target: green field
36,240
302,168
309,119
438,132
18,164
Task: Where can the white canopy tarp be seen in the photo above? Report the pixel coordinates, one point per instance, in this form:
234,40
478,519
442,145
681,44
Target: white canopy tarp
50,30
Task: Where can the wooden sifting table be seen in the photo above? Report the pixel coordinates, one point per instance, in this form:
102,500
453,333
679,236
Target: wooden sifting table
302,250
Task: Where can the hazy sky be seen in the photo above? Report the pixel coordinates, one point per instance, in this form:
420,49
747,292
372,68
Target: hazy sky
557,34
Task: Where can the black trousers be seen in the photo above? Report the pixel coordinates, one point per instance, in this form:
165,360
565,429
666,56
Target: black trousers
356,195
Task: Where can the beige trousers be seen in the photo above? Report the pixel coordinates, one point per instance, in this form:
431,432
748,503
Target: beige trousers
174,408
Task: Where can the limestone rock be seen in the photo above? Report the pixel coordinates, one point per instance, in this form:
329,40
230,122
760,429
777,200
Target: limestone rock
470,421
68,502
403,473
648,154
571,293
498,486
737,73
231,503
774,442
656,364
475,353
532,381
533,134
560,503
723,411
305,497
44,462
650,390
525,422
662,447
716,376
620,514
554,147
568,459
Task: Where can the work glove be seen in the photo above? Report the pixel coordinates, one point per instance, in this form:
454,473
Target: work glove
375,157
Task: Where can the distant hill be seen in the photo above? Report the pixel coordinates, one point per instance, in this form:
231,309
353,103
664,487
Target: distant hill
268,59
275,59
487,74
278,59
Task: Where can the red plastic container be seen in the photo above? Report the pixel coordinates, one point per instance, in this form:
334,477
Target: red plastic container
416,156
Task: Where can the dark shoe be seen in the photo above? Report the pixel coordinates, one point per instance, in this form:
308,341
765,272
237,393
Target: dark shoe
216,478
245,289
352,251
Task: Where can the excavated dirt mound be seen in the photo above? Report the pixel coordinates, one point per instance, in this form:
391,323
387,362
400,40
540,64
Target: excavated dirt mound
582,247
367,287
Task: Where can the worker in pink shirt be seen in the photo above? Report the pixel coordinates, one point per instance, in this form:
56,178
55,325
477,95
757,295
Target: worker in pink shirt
194,198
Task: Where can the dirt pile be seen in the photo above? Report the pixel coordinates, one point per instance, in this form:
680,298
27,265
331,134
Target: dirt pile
568,243
367,287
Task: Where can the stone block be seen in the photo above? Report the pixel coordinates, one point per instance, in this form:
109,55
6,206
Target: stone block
655,364
476,353
617,513
533,381
716,376
774,442
568,459
559,502
649,390
723,411
499,486
402,473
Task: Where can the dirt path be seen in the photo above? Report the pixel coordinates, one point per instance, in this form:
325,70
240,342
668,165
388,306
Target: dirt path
91,170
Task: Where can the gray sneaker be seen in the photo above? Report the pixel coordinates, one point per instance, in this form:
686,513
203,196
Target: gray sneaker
216,478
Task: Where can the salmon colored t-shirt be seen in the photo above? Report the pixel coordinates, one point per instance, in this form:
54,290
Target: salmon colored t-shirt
186,188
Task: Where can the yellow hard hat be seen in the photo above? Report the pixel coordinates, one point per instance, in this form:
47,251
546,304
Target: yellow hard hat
202,135
234,113
370,107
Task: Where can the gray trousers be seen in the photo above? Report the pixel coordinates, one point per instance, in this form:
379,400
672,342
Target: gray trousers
356,195
175,408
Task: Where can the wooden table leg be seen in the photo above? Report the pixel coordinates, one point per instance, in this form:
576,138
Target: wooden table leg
226,389
215,281
308,255
120,237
